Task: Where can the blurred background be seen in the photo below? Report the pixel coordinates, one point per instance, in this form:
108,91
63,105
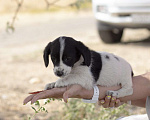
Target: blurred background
24,35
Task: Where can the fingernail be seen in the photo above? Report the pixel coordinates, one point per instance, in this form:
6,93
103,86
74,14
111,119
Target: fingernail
113,99
66,101
24,103
102,102
117,101
108,97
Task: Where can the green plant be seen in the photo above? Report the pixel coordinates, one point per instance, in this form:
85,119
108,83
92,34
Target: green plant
77,110
40,108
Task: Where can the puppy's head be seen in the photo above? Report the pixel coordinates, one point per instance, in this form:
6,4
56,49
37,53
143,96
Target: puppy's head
65,52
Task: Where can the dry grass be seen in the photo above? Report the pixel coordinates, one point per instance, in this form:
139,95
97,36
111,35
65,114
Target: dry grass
33,6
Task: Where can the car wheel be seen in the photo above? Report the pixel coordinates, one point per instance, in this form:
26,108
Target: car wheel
111,36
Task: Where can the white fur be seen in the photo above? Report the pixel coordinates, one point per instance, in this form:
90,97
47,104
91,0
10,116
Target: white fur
119,74
79,75
62,46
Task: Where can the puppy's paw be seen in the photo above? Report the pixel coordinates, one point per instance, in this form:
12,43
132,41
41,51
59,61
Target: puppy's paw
60,83
112,93
49,86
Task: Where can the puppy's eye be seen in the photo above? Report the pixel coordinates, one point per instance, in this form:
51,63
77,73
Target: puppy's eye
66,59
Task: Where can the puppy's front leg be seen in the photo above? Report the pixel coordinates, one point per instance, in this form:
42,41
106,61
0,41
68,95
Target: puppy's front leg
50,86
61,83
84,81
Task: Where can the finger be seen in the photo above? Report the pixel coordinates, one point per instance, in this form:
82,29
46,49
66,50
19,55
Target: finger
118,103
52,93
107,101
65,97
112,102
101,102
27,99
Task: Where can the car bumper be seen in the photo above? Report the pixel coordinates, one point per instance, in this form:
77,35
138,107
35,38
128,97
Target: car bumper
131,21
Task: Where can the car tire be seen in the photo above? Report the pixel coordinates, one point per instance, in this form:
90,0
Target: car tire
110,36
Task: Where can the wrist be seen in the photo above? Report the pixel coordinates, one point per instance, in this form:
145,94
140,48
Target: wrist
86,94
95,96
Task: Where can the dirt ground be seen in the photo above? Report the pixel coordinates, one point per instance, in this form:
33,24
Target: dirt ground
21,65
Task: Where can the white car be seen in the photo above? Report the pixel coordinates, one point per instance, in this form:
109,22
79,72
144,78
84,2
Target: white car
115,15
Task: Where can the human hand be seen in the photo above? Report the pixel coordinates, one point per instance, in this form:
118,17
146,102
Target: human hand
73,91
110,102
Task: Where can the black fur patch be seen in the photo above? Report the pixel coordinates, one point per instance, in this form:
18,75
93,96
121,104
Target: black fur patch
55,52
96,64
70,52
132,74
116,58
53,49
107,57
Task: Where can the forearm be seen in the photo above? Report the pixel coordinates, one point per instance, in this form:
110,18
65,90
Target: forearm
139,103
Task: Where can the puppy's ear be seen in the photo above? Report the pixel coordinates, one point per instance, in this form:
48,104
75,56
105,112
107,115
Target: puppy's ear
47,52
85,52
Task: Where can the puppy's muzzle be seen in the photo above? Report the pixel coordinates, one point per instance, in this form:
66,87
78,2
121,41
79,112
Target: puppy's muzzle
59,73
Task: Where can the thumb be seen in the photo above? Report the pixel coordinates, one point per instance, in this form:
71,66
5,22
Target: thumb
72,91
68,94
65,96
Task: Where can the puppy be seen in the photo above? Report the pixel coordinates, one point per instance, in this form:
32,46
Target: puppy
75,63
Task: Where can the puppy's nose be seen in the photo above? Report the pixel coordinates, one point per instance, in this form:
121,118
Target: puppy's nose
59,73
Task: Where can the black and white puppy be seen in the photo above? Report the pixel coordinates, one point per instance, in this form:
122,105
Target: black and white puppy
75,63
